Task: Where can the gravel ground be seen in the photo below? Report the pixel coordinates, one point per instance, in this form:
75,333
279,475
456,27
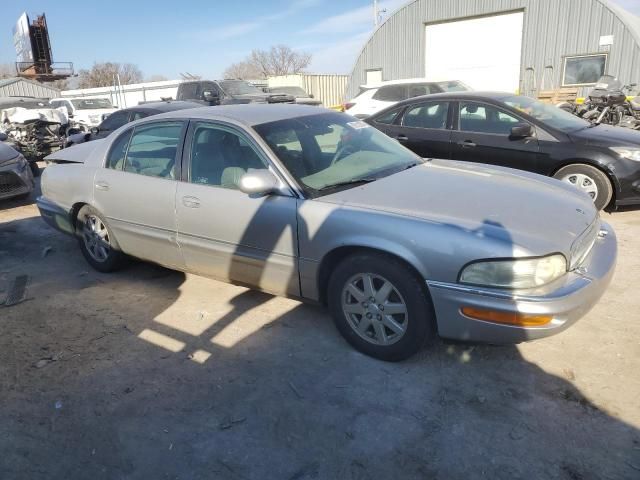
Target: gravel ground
150,373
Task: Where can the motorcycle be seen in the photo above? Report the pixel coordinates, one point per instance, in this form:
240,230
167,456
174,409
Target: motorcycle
607,103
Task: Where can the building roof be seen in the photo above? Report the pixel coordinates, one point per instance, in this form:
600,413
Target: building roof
8,81
629,19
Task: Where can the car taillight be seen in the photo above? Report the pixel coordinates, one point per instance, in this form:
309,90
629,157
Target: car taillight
348,105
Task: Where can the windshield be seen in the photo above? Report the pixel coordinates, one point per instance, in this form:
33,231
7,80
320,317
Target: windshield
549,114
296,91
238,87
91,103
608,82
454,86
326,152
28,104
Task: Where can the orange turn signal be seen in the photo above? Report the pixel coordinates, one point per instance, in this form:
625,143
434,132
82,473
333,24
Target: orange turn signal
507,318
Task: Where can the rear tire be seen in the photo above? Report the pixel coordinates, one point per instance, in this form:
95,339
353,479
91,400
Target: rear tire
380,306
97,243
590,180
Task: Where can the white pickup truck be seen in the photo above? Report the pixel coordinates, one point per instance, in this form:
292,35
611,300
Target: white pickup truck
85,113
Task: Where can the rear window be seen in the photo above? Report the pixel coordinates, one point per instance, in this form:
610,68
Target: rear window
391,93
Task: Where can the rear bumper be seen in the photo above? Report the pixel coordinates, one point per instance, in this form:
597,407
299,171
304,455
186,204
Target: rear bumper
567,300
55,216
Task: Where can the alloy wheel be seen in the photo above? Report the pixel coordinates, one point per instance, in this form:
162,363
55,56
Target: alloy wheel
374,309
96,238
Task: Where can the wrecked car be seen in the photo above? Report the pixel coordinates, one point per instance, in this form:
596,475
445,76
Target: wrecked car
33,127
85,113
16,179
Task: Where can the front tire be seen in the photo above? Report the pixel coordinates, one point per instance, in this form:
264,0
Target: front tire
590,180
97,242
380,306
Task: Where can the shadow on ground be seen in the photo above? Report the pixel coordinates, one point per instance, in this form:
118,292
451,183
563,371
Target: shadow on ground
150,373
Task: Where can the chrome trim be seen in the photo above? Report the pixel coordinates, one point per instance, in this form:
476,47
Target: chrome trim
503,295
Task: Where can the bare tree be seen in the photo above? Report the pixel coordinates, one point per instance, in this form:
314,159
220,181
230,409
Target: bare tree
104,75
7,70
62,84
278,60
244,70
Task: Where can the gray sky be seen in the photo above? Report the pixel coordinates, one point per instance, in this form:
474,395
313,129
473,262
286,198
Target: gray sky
632,5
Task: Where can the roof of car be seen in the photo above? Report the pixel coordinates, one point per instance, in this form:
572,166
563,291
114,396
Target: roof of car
164,106
404,81
249,114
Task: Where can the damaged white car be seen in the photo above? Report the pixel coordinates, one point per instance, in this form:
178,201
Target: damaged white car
33,127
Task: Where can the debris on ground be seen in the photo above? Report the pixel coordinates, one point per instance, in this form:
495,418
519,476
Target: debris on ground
46,250
18,291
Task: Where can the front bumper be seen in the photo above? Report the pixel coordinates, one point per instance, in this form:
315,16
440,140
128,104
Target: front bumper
567,300
14,182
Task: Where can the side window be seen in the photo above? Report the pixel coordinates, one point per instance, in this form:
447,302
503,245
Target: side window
153,149
139,115
189,91
55,103
485,119
115,121
391,93
418,90
389,117
427,115
115,157
220,157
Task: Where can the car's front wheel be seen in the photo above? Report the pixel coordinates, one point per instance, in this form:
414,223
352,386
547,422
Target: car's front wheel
589,180
97,242
380,306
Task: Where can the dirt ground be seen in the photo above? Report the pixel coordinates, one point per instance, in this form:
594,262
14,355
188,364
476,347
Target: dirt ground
153,374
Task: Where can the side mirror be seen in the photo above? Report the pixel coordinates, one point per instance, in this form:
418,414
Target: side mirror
258,183
3,137
211,97
521,130
94,130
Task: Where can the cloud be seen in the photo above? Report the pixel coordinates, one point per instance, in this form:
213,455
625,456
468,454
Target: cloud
354,19
242,28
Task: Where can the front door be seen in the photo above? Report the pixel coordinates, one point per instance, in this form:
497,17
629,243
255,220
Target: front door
225,233
136,191
482,134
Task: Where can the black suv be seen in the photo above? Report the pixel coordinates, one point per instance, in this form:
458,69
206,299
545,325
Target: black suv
227,92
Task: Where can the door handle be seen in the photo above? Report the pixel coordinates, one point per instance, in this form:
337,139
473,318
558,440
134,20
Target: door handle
467,144
191,202
102,185
402,138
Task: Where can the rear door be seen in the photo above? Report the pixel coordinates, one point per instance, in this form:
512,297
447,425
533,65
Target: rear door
482,134
136,191
424,129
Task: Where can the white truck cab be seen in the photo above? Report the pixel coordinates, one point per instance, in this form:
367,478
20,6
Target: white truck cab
84,112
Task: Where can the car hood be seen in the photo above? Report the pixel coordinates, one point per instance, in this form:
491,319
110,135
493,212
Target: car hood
536,214
607,135
28,115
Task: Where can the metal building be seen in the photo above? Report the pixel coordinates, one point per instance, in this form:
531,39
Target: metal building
510,45
20,87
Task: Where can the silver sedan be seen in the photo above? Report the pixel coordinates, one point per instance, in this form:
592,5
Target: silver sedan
314,204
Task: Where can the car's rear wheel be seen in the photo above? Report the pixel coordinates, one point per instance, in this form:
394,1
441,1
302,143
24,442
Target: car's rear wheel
589,180
380,306
97,242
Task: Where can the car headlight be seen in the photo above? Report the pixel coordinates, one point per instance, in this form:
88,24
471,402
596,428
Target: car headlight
514,273
629,153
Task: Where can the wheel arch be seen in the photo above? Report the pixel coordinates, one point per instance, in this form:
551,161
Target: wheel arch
604,168
73,213
333,258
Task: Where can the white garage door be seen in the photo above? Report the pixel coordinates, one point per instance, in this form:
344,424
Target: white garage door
483,52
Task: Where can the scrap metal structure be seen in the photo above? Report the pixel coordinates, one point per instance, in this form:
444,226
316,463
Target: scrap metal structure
33,50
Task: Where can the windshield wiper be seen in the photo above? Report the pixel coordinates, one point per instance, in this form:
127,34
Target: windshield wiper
354,181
